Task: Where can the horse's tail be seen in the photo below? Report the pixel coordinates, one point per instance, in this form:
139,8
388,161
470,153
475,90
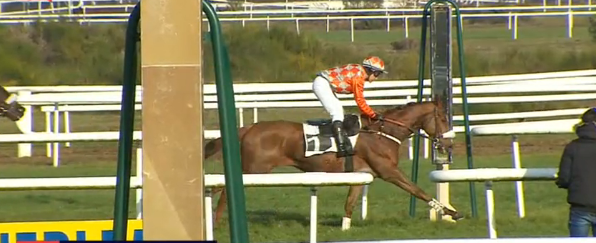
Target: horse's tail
216,145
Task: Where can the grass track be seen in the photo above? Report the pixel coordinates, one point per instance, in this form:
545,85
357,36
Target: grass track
281,214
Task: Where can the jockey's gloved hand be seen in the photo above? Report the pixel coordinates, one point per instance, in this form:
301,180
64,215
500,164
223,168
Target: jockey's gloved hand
378,116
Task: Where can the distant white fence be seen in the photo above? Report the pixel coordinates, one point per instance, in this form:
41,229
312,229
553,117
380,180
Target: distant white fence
511,14
311,179
78,136
489,175
554,86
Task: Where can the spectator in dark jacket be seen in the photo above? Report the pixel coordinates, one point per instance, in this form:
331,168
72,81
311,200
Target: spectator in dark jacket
577,174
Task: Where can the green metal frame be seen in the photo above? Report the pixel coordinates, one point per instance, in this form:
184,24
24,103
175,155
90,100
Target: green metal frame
227,121
425,14
127,116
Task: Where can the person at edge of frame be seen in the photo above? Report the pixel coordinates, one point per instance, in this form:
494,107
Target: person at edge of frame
577,174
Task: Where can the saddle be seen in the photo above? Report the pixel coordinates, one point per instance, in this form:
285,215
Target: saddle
351,125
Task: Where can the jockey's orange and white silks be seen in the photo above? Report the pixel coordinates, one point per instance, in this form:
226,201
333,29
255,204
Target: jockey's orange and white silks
347,79
327,97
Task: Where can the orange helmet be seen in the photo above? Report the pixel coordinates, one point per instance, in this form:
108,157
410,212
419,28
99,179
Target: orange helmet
374,63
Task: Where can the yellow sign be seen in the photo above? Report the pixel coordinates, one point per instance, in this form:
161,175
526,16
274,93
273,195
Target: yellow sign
99,230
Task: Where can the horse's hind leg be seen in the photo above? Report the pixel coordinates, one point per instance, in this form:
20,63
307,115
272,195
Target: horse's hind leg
396,177
353,194
221,203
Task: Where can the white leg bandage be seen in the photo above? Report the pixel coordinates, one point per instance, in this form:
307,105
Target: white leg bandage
331,103
436,205
346,223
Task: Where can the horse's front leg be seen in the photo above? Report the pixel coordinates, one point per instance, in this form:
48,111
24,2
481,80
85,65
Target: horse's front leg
360,165
396,177
353,194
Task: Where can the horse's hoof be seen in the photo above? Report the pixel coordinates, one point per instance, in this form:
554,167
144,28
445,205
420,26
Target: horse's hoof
457,216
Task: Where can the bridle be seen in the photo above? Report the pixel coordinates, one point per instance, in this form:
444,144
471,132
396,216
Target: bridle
435,138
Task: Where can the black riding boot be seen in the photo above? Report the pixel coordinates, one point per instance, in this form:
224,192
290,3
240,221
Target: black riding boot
344,147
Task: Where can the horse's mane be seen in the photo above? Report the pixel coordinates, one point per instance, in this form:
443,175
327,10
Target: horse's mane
401,107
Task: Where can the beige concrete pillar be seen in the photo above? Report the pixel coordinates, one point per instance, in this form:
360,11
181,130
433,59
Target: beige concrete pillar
173,202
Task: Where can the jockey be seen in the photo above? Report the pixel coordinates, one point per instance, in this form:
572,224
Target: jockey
346,79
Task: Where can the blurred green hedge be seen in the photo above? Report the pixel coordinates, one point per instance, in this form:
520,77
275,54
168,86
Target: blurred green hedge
69,53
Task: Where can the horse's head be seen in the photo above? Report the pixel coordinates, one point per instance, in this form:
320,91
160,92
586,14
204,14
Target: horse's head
429,116
9,107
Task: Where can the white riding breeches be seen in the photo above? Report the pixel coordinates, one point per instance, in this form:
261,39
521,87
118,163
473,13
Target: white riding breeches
327,97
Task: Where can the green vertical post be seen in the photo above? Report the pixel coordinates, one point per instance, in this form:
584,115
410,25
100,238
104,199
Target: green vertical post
229,132
421,63
227,114
127,116
464,94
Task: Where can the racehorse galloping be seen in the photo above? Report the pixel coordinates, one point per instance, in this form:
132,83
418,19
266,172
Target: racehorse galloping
269,144
9,107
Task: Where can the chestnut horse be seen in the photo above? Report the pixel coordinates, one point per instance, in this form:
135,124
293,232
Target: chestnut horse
269,144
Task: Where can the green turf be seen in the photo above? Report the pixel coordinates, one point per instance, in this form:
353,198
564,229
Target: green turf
281,214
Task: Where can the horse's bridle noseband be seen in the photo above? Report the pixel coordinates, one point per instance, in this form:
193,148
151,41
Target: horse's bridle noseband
435,138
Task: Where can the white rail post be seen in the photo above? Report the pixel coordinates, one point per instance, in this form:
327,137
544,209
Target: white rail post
515,27
406,28
313,215
25,125
139,177
66,124
410,140
240,117
570,23
426,141
519,187
364,211
209,213
352,29
490,209
56,145
388,21
48,130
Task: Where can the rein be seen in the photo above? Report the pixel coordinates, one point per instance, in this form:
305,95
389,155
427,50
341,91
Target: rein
401,124
381,133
